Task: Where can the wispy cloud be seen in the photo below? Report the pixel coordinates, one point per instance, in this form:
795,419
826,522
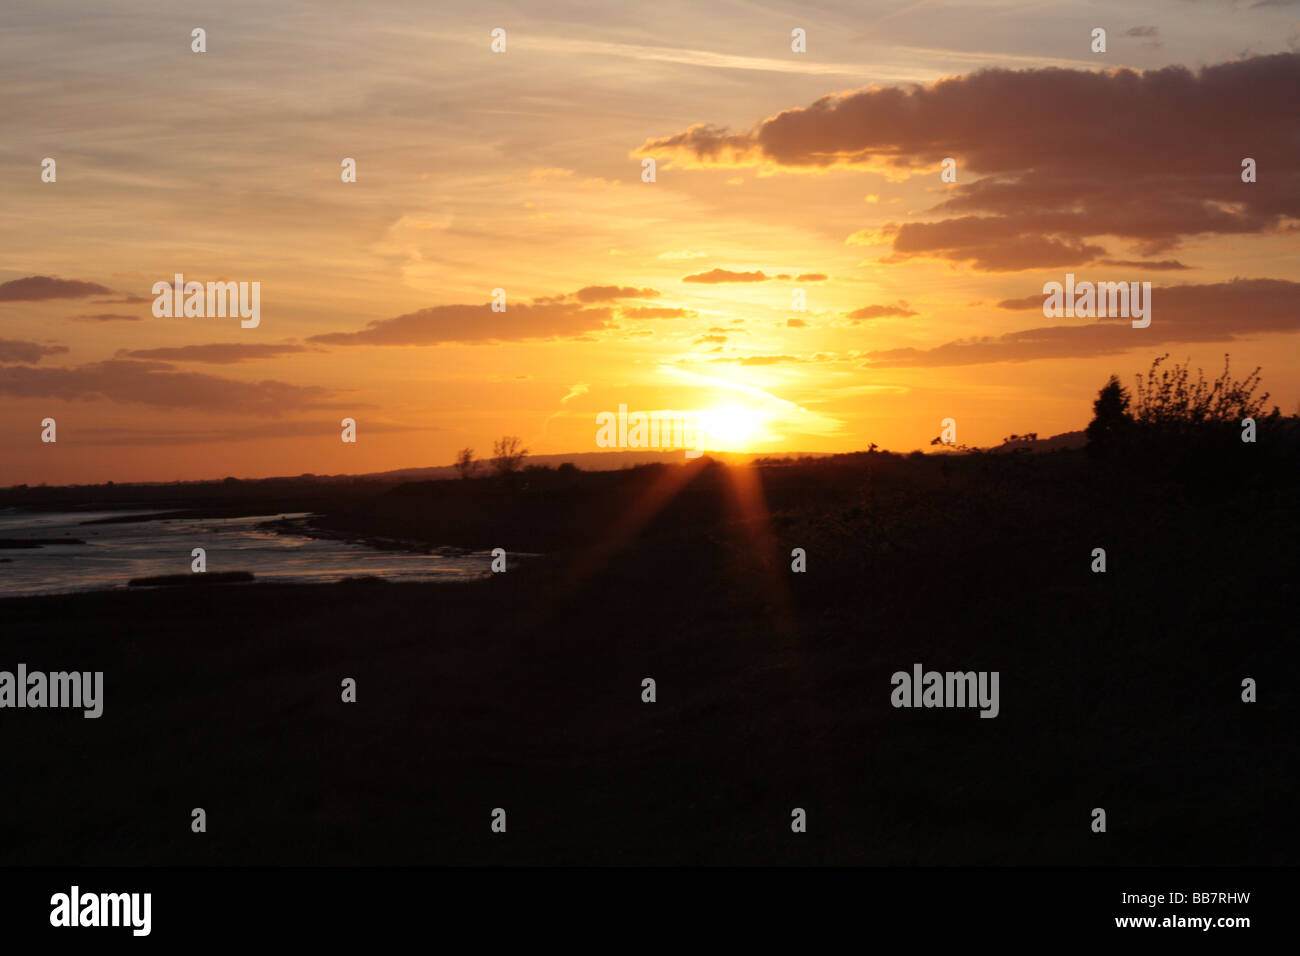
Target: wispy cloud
1220,312
158,384
214,354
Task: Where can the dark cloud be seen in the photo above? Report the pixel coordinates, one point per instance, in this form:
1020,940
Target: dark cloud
1050,159
1221,312
703,141
608,293
725,275
987,245
12,350
1142,32
215,354
445,324
124,300
880,311
1151,265
158,384
104,317
41,288
1028,302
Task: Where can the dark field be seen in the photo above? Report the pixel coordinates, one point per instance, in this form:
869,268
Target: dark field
1119,690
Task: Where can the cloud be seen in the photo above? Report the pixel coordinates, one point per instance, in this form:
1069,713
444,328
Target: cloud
709,338
654,312
124,300
811,277
579,388
42,288
1039,184
477,324
12,350
572,46
988,245
1028,302
215,354
1146,34
158,384
104,317
1221,312
725,275
1162,265
796,323
760,359
326,428
705,144
608,293
880,311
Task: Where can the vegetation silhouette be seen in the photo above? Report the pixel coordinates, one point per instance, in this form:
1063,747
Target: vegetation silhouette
1190,430
465,463
508,454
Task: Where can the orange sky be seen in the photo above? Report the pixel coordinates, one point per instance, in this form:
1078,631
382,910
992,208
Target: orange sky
522,170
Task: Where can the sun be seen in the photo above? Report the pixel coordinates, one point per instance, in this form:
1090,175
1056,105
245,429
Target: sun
729,428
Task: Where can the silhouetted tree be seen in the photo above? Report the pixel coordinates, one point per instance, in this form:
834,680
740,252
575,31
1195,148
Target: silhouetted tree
507,454
465,463
1111,423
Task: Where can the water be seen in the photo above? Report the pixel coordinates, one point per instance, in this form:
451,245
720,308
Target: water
115,553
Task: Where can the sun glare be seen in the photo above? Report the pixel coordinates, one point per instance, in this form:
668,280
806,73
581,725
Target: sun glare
728,429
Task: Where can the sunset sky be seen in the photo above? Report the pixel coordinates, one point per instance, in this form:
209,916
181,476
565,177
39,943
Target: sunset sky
522,170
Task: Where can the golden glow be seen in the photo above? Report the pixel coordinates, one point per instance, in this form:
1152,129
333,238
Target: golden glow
674,294
730,428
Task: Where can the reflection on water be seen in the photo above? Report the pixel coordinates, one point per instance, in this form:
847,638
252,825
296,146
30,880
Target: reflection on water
114,553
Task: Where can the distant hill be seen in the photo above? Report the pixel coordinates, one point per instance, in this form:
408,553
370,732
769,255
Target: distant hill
588,461
1055,443
307,491
295,487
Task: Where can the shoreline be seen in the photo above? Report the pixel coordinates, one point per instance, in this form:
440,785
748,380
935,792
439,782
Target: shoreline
279,522
303,527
